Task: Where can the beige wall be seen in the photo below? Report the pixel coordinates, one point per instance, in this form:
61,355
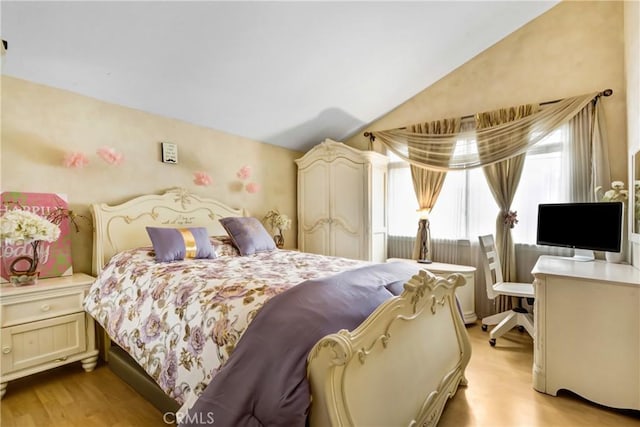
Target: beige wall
40,124
574,48
632,68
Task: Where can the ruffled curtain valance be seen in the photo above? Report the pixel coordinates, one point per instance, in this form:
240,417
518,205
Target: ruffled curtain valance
457,151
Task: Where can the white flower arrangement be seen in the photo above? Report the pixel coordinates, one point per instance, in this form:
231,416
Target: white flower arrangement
617,193
22,226
277,221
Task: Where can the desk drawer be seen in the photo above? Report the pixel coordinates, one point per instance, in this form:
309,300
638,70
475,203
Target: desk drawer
39,308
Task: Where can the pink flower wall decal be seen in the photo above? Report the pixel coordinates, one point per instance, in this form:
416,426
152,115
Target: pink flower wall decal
202,178
244,173
75,159
110,155
252,187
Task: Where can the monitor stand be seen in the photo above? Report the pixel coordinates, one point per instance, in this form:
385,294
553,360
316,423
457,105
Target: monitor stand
582,255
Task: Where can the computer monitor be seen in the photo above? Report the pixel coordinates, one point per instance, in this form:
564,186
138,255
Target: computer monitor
586,227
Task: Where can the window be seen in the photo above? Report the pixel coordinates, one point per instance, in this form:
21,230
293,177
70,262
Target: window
466,208
542,181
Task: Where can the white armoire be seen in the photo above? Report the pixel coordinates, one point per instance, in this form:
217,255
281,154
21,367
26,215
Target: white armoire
342,202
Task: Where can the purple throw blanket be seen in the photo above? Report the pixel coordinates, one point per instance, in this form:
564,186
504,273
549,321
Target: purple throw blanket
264,382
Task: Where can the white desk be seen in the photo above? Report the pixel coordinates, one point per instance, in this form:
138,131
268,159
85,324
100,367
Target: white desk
465,294
587,322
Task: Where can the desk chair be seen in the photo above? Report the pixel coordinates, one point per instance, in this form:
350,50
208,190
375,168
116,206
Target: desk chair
517,316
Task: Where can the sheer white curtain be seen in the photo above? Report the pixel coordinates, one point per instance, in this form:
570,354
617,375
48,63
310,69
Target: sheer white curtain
545,179
465,207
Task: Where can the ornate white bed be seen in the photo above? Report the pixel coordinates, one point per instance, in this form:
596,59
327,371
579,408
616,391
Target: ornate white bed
413,346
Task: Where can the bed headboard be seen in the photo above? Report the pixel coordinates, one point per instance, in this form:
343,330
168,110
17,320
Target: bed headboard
120,227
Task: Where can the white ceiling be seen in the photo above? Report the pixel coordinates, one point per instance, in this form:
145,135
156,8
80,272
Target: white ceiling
286,73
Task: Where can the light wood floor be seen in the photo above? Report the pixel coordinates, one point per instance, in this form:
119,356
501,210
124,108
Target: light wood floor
499,394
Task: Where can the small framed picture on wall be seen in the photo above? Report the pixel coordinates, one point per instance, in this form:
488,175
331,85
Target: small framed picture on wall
169,152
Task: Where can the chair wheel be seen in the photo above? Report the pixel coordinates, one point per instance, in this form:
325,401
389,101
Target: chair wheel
484,327
521,328
492,341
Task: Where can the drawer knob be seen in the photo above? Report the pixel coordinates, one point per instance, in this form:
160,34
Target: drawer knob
6,350
45,307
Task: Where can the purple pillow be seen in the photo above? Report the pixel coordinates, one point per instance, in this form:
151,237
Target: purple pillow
248,234
174,244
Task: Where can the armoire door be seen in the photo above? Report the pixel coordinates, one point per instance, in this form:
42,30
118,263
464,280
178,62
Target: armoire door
347,210
314,195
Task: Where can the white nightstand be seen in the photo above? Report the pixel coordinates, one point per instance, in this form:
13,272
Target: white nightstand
45,326
465,294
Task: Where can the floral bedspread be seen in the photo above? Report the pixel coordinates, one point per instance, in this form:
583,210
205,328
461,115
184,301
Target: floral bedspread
181,320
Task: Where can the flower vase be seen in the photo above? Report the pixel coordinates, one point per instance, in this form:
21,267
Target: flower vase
24,269
25,278
279,240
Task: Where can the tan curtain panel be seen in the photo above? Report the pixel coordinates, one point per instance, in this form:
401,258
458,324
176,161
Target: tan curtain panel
601,175
433,151
579,151
427,183
503,178
587,158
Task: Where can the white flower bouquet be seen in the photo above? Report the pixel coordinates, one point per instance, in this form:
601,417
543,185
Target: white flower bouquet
277,221
617,193
22,226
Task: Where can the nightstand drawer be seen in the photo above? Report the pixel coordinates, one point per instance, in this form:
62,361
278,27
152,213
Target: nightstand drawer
51,340
41,307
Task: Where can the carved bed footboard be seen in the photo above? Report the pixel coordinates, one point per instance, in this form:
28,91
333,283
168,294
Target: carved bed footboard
399,367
